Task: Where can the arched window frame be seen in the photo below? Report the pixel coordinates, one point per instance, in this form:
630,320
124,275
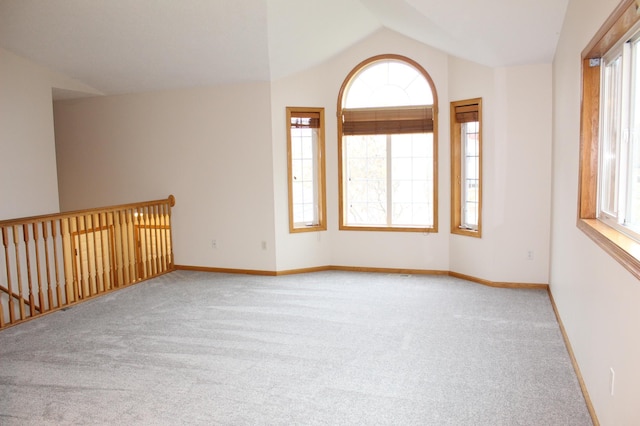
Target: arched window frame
340,111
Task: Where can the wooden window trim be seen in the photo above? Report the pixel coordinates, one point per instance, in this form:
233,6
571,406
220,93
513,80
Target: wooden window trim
461,112
621,247
317,118
433,112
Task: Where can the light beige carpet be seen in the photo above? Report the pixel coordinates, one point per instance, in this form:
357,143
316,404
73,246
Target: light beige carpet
326,348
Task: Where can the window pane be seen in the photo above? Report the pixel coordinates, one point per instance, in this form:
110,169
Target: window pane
410,173
470,174
611,99
388,83
366,188
633,201
366,213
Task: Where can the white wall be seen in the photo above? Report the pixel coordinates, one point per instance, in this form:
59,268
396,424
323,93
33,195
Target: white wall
210,147
517,192
598,300
516,172
28,184
319,87
195,144
28,177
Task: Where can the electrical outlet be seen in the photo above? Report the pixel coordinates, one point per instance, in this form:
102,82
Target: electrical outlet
264,245
529,254
214,244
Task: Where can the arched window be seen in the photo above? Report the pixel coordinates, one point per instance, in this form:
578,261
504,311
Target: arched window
387,111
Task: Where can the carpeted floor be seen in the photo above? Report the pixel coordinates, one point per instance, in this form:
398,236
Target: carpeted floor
327,348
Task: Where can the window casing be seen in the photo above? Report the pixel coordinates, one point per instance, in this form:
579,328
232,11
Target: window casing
466,167
306,169
609,188
387,147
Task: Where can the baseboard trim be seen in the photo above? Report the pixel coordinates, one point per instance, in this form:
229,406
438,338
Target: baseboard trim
499,284
574,362
225,270
471,278
389,270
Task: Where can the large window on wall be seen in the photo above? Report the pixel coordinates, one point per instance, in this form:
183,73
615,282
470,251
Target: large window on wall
609,207
387,147
466,167
306,169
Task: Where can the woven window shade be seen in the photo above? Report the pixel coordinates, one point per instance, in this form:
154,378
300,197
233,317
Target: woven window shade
467,113
385,121
305,120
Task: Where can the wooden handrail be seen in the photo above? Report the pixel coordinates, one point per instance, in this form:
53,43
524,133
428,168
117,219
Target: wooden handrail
17,296
171,200
51,261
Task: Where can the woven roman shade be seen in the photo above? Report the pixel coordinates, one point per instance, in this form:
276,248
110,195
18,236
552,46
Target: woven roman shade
385,121
467,113
305,120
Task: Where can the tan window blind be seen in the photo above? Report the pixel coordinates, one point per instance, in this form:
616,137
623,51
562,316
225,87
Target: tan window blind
467,113
385,121
305,120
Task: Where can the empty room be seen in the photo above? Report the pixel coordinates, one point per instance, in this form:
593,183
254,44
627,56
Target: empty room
337,212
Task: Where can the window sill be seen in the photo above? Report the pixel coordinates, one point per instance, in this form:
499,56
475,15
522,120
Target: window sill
310,228
622,248
386,228
466,232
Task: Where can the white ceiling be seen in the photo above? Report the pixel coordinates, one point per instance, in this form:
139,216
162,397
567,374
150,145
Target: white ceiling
126,46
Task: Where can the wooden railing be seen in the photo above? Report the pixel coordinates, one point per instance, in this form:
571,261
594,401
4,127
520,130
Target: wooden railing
53,261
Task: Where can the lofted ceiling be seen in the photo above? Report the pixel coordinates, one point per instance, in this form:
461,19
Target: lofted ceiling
128,46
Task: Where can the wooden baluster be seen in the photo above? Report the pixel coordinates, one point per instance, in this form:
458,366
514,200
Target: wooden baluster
106,272
131,246
100,255
36,242
88,290
123,257
79,281
157,239
45,237
149,243
91,269
25,235
138,230
163,239
54,236
135,220
5,242
16,242
114,250
172,202
143,253
153,240
95,231
144,250
150,248
70,285
167,234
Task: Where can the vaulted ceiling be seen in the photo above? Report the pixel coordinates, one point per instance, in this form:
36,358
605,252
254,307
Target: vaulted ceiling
126,46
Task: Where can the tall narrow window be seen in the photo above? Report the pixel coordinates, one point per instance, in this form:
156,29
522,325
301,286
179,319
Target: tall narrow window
387,167
305,151
466,167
